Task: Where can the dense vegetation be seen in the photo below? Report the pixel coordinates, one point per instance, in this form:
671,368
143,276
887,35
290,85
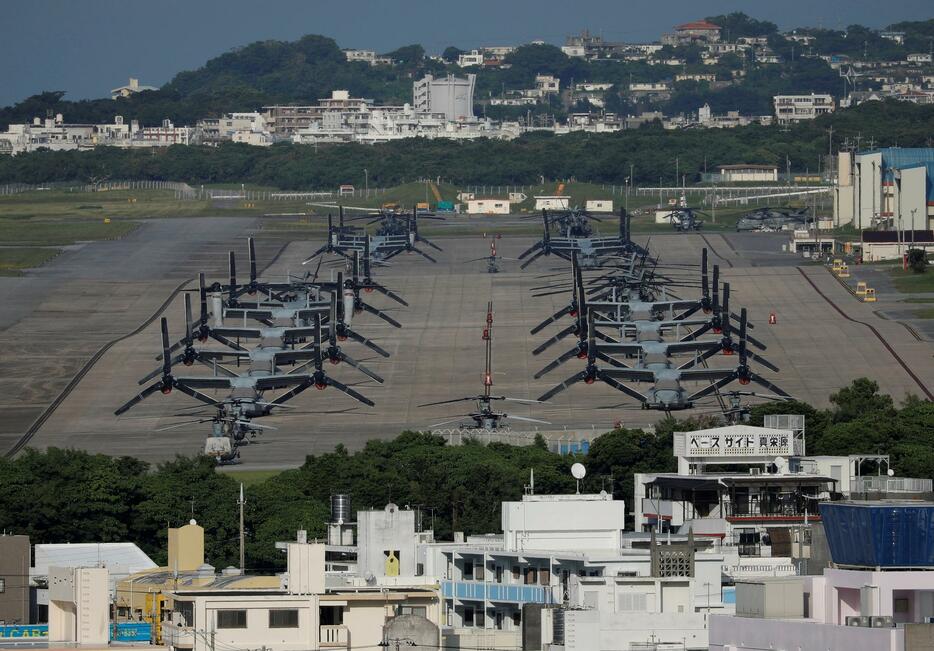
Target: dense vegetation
64,495
270,72
598,158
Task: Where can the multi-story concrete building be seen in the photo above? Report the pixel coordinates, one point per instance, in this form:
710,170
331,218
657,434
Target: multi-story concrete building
450,95
796,108
891,188
879,595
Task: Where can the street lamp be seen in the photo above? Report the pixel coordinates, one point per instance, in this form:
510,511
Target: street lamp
366,182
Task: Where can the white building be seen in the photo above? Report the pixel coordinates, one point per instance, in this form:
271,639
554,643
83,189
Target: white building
468,59
131,88
890,188
452,96
488,207
551,202
795,108
229,125
547,85
919,57
747,173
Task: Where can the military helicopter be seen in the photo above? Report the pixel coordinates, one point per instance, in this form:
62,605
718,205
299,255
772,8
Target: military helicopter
667,393
592,251
492,260
684,218
772,219
485,417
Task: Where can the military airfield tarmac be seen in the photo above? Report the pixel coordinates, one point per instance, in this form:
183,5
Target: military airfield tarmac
78,333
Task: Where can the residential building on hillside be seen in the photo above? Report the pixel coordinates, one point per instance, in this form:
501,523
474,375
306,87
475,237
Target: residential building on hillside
796,108
468,59
698,30
133,87
450,95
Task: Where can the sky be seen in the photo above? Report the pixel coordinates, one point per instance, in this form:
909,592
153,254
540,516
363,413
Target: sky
87,47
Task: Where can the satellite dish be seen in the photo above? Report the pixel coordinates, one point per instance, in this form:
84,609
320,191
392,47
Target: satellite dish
891,472
781,465
578,471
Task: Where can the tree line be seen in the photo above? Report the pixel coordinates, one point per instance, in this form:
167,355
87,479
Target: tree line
73,496
650,153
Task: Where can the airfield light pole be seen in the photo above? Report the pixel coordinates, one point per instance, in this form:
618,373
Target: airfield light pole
240,503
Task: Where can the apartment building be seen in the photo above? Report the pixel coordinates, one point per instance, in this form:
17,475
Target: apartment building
797,108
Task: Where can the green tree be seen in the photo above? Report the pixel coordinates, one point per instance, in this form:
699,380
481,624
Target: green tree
861,398
917,260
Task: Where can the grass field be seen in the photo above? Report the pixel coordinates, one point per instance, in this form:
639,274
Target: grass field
925,313
14,260
45,232
909,282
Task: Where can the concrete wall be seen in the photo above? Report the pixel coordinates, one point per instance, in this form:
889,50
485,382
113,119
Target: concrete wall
729,633
378,532
564,523
912,196
79,605
586,630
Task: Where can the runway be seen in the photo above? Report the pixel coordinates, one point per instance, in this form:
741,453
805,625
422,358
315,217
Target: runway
105,290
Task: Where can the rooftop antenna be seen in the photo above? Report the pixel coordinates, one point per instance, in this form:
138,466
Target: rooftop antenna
530,489
578,471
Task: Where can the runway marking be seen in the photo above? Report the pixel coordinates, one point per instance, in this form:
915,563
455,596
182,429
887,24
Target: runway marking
714,251
872,328
47,413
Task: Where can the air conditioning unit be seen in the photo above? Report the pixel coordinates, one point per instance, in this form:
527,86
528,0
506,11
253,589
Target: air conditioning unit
858,620
882,621
755,471
929,620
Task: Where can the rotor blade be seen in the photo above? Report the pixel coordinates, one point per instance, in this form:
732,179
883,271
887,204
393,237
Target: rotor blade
423,254
710,388
535,257
556,363
350,392
366,342
554,317
385,317
360,367
558,337
388,292
315,255
762,360
142,395
577,377
527,420
448,402
761,381
619,386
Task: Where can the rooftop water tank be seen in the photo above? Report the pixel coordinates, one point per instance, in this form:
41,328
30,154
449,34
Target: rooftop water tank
340,508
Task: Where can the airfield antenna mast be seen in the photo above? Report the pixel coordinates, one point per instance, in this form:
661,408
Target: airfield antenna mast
488,336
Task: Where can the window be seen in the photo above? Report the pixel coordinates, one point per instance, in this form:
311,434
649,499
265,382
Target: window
480,618
531,575
186,609
283,618
468,617
499,574
468,570
231,619
421,611
2,586
331,615
517,618
516,573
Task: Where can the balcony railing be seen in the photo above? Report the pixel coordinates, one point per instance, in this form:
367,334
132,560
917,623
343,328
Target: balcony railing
769,509
334,637
890,485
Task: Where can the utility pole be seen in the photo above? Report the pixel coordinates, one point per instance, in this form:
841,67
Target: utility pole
241,502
